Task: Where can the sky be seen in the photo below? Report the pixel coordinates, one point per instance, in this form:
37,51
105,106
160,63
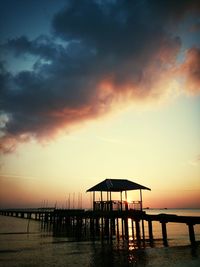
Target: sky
99,89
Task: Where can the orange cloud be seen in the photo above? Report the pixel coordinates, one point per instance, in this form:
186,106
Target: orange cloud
190,70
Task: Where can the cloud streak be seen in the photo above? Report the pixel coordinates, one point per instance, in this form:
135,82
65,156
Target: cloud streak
100,53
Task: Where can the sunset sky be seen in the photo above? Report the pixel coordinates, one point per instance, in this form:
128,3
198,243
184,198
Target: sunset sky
99,89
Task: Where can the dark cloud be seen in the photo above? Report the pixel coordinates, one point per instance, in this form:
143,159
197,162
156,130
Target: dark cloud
100,52
195,27
43,47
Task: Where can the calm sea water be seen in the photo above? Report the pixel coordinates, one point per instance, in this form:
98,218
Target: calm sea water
40,248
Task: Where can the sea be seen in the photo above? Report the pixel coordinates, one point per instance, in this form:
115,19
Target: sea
24,243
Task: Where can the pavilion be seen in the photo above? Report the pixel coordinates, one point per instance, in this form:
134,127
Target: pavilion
116,185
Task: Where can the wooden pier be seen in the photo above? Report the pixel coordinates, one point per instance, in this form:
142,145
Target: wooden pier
109,218
104,224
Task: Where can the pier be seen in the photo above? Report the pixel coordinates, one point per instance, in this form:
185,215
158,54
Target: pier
104,224
109,219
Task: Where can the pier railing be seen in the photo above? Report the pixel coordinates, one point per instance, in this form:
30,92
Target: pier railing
116,205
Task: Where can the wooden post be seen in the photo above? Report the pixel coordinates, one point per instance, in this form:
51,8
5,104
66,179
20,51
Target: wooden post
143,232
107,206
107,227
113,226
97,226
164,233
191,233
132,224
80,226
117,229
110,229
122,223
92,227
137,226
102,227
85,227
150,231
126,228
46,217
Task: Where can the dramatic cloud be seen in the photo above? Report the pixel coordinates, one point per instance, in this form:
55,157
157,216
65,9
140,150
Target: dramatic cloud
100,53
191,70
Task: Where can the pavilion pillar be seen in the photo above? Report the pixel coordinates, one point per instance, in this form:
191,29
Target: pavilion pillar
107,200
126,204
143,231
93,200
110,206
121,199
101,201
140,199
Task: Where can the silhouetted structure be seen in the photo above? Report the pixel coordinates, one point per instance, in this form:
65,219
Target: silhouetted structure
108,218
116,185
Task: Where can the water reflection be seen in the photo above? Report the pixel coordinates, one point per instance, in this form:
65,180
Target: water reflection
48,247
117,254
85,250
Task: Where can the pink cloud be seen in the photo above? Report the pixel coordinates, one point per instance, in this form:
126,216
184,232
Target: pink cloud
190,70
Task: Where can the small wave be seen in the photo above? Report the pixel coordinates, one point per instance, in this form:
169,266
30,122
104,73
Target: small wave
9,250
19,233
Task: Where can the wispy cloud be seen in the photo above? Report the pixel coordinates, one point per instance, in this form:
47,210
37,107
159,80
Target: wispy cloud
14,176
110,140
195,161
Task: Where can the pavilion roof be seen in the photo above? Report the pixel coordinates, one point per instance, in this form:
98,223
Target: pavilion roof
116,185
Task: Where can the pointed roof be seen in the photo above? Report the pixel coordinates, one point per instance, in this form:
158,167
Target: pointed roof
116,185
